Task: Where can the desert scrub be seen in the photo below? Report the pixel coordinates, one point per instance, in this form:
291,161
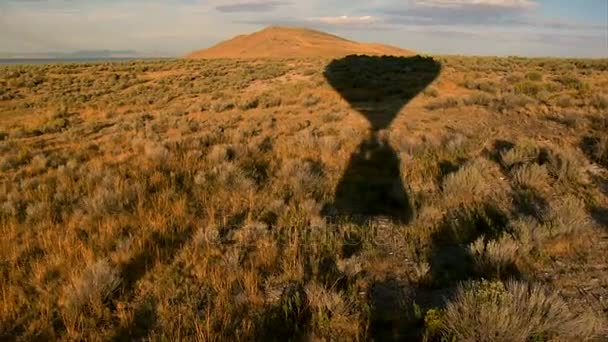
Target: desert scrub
563,163
494,257
515,311
564,101
54,125
528,88
222,106
512,101
333,316
479,99
531,175
524,152
534,76
596,148
446,103
215,226
89,290
431,92
471,181
249,103
485,86
569,216
572,82
528,161
600,102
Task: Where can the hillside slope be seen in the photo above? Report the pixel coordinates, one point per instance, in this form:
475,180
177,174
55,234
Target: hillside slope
285,42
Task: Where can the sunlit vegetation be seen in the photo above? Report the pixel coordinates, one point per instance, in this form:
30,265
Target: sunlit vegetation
192,200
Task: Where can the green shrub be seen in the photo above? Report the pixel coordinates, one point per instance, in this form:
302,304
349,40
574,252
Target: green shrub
433,323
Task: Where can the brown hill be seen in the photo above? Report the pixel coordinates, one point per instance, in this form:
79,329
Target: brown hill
286,42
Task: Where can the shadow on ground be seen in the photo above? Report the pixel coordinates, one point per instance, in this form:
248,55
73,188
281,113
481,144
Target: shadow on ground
398,307
378,88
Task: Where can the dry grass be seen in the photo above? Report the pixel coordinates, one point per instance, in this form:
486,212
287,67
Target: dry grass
193,200
493,311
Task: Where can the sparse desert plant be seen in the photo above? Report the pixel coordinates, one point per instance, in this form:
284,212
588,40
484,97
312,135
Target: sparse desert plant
528,88
431,92
569,216
515,311
530,234
596,148
90,289
470,181
524,152
494,257
311,101
572,81
563,164
270,101
599,102
222,106
534,76
443,103
486,86
156,153
39,163
220,153
479,99
564,101
54,125
249,103
421,271
333,316
513,101
531,175
231,176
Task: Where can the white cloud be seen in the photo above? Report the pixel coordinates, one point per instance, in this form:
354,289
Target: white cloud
512,4
345,20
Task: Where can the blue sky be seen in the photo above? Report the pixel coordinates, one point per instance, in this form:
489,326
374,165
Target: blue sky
175,27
